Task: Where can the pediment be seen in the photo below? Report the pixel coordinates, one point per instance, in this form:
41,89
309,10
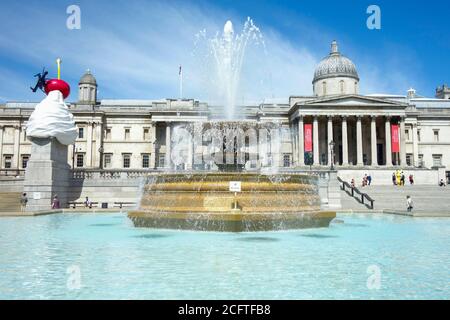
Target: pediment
354,101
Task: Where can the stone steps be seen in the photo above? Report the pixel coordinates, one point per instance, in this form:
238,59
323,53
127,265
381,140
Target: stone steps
10,201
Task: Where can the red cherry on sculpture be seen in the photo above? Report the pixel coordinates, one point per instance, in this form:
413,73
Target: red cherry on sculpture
57,84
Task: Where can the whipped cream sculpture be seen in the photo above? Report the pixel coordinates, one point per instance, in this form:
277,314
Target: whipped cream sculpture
51,117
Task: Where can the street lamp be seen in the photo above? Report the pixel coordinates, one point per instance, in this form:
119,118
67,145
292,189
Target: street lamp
332,144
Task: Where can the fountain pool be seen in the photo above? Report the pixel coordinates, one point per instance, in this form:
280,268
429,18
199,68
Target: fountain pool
115,260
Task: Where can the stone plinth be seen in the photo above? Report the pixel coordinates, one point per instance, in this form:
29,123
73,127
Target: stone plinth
47,174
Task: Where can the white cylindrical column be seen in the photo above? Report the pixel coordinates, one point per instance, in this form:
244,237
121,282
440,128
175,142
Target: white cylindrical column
359,146
402,142
415,145
168,145
16,147
316,141
301,143
387,129
344,142
373,138
153,138
330,138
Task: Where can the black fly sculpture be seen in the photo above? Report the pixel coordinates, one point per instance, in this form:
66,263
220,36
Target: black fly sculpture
40,84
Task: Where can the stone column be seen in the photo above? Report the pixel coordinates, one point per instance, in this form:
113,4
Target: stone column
47,174
98,143
387,129
402,142
373,143
330,138
301,143
89,137
168,145
359,146
316,141
153,137
16,147
344,142
1,145
415,146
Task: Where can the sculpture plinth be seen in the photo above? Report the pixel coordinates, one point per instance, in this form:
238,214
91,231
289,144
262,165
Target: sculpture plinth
47,174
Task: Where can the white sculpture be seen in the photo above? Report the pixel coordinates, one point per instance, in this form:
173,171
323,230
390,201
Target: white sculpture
52,118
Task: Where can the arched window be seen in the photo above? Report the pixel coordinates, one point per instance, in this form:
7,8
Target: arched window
342,86
324,88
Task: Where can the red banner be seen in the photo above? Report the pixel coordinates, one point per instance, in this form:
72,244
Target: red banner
395,139
308,138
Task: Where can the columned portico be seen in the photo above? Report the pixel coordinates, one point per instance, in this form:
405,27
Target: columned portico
373,141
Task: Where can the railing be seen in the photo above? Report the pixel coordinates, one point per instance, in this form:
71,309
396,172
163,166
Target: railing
12,172
361,196
105,174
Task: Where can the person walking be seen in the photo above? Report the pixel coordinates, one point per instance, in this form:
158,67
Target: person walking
402,179
23,201
55,203
394,179
369,179
409,203
411,179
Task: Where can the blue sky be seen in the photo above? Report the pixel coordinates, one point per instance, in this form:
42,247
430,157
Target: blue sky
134,47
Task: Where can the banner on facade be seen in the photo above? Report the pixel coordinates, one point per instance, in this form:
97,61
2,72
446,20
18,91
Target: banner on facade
307,132
395,139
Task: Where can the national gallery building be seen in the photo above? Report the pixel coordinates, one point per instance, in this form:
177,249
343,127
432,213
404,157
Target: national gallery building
335,126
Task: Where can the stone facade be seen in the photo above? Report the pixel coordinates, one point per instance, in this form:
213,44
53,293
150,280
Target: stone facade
139,134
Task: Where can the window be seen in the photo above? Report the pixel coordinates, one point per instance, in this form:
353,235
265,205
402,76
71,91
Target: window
162,160
407,136
127,133
25,159
356,87
421,163
146,134
409,157
145,161
437,160
80,160
7,160
107,157
324,88
24,135
286,160
436,135
80,133
108,134
126,160
342,86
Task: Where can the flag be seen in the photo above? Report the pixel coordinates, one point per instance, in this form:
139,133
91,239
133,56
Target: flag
308,137
395,143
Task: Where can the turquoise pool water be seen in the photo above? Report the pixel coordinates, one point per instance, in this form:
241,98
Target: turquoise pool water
99,256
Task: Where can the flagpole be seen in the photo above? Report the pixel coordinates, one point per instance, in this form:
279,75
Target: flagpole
181,82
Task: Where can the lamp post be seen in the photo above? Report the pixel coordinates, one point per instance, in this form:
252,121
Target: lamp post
332,144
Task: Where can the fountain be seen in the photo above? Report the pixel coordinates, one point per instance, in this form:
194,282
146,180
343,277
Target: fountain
225,173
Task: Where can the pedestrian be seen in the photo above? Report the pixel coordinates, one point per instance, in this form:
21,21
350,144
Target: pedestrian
411,179
394,179
409,203
23,201
369,179
55,203
353,183
88,203
402,179
442,183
